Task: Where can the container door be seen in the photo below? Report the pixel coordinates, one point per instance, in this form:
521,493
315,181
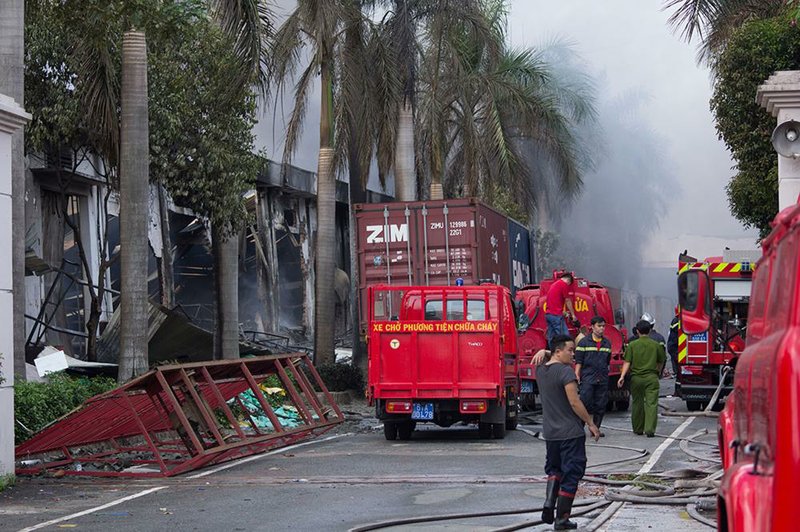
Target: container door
493,247
519,241
447,244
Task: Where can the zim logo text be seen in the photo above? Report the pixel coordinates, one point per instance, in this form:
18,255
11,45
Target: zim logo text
376,234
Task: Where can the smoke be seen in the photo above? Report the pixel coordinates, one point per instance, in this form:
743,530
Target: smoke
604,231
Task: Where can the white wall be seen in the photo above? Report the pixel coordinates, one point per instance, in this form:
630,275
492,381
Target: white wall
11,118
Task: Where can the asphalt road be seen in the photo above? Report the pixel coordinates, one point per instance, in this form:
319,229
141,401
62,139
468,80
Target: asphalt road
357,477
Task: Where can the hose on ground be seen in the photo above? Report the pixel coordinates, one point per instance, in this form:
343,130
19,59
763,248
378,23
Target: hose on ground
684,445
476,515
691,509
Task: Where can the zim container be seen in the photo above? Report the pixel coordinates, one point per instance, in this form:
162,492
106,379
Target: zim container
435,243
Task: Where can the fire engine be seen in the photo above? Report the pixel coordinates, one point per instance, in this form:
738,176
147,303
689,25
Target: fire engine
589,300
442,355
759,428
708,358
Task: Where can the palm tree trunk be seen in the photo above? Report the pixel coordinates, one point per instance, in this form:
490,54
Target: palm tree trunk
12,23
358,194
226,278
134,207
405,183
324,311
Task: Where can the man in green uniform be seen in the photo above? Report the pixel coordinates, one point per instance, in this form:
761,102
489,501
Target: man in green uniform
644,358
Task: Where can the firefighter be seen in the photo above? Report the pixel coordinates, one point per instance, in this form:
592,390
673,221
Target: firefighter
655,335
672,343
562,428
592,356
558,297
644,358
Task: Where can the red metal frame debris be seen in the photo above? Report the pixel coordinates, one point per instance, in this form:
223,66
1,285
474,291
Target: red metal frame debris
177,418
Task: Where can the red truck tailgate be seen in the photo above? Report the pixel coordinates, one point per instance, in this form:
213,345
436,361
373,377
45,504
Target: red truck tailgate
438,360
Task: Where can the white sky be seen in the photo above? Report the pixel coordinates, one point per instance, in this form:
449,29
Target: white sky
629,42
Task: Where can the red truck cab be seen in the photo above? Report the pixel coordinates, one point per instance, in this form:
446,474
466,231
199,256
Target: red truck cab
589,299
442,355
759,429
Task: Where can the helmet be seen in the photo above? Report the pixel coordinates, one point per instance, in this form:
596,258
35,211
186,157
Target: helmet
648,318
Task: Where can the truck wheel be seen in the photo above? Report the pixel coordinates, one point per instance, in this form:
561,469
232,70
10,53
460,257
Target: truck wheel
485,430
498,431
511,423
694,406
390,430
405,429
622,405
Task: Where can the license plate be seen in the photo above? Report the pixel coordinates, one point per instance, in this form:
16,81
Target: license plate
422,411
526,387
702,337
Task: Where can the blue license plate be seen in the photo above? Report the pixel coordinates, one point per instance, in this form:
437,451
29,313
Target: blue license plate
422,411
702,337
526,387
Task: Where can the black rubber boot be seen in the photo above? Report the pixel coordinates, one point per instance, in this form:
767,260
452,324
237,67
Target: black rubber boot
563,511
549,506
598,420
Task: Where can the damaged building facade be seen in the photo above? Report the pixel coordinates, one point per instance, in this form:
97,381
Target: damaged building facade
72,271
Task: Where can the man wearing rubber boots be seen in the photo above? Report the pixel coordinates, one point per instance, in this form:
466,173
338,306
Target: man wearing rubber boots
592,356
564,416
645,359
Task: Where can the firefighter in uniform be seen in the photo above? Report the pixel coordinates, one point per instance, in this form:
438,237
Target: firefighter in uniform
645,359
592,356
672,343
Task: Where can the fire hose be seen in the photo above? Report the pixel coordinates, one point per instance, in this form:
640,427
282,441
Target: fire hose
656,494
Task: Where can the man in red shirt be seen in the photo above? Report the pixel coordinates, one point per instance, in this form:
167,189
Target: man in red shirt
559,295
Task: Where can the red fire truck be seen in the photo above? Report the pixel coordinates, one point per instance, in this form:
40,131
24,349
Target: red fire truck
589,300
759,429
705,358
442,355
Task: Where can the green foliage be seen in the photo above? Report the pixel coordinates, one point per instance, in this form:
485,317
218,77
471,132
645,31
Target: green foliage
340,377
6,481
752,54
37,404
201,140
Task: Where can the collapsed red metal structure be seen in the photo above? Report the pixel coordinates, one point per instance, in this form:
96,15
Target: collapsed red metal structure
177,418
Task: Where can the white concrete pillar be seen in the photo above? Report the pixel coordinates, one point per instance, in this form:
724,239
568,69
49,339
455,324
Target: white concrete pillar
12,117
780,95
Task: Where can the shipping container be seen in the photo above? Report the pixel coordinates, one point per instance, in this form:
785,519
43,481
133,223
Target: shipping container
433,243
522,255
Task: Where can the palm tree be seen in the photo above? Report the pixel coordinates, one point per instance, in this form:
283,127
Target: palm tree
713,21
467,122
134,157
319,27
248,24
12,23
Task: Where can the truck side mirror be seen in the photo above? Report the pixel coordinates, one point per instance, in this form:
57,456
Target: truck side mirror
694,297
619,317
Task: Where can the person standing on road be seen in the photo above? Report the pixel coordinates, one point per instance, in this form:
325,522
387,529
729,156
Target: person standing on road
655,335
592,356
564,415
645,359
672,343
558,297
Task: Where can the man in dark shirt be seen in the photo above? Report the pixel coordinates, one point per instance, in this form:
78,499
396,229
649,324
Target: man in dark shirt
558,297
564,416
592,356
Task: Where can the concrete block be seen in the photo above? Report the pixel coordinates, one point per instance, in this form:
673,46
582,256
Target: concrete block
7,432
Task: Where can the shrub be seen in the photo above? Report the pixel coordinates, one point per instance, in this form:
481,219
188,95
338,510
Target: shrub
37,404
341,377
